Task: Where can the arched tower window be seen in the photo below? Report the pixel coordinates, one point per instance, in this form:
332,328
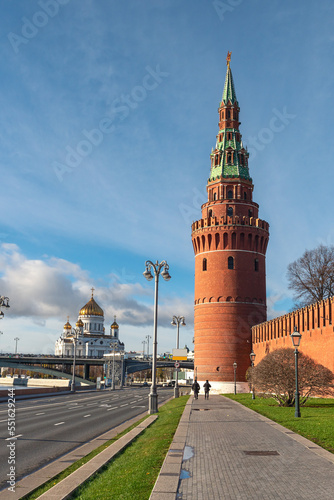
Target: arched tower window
214,196
230,263
230,212
230,194
204,265
256,264
245,195
210,213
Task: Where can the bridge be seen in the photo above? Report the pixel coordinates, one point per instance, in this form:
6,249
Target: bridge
49,364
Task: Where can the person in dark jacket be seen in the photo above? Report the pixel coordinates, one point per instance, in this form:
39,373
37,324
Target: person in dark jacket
196,388
207,387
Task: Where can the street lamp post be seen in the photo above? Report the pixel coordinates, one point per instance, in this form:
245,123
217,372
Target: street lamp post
144,344
296,338
252,358
113,368
16,341
235,376
75,333
153,396
176,322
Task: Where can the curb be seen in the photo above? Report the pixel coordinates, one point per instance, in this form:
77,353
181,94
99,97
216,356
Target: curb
36,479
67,486
167,483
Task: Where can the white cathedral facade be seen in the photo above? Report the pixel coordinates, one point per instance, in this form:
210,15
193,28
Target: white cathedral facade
89,336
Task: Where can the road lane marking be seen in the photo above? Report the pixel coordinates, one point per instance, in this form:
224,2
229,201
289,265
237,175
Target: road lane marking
14,437
60,423
126,404
86,416
137,407
39,413
114,408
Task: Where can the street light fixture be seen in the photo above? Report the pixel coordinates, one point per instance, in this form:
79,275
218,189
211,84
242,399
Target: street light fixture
296,338
252,358
4,302
176,322
153,396
235,376
16,341
75,335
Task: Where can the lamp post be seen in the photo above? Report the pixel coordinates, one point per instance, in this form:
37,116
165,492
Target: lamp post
153,396
235,376
16,341
176,322
144,344
296,338
113,367
252,358
75,333
4,302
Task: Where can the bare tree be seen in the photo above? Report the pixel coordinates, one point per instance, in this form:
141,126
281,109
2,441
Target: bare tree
274,377
311,277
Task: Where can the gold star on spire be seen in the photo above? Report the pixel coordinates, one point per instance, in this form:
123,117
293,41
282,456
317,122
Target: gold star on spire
228,58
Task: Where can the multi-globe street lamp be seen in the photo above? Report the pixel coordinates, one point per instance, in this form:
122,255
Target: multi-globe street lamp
176,322
252,358
235,376
158,269
296,338
4,302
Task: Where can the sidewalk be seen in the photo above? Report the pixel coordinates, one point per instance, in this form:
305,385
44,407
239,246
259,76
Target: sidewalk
225,451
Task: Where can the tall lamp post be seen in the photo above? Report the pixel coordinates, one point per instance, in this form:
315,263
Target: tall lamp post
296,338
16,341
235,376
157,269
176,322
75,333
252,358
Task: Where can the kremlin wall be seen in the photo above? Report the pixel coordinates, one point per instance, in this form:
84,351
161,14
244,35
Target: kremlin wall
313,322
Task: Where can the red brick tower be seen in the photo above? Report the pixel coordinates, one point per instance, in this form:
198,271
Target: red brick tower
230,243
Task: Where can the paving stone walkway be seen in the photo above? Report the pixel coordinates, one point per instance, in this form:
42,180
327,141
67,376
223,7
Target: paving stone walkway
236,454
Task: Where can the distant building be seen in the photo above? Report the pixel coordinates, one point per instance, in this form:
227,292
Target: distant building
90,332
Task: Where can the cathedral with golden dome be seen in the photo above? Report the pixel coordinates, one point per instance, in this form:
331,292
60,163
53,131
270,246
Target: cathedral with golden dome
89,335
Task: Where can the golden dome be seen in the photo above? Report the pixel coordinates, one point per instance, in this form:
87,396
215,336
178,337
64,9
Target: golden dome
114,325
79,323
67,325
91,308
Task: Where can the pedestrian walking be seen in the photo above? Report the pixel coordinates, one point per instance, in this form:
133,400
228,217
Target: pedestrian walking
207,387
196,388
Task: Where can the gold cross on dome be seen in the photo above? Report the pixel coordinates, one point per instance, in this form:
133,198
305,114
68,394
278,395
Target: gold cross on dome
92,289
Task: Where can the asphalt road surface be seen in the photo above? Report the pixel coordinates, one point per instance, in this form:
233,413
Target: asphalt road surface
47,428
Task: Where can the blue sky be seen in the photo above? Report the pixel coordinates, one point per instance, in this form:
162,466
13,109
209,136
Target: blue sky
108,117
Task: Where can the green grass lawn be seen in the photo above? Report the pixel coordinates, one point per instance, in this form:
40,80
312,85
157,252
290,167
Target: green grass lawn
134,471
316,422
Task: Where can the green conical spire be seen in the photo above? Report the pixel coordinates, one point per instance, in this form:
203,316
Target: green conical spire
229,158
229,90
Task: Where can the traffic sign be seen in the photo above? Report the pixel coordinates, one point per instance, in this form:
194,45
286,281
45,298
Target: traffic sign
177,365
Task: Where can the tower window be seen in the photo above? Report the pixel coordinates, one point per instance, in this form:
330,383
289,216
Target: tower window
230,194
256,264
230,263
204,265
230,212
210,213
250,213
229,158
245,195
214,196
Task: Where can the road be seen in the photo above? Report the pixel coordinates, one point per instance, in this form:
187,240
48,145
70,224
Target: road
46,428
